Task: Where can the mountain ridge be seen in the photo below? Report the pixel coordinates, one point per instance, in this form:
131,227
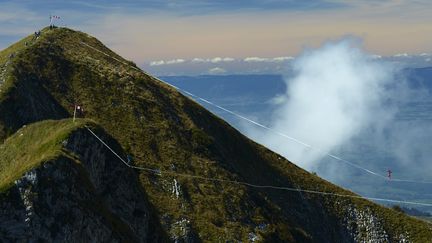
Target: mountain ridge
61,166
160,128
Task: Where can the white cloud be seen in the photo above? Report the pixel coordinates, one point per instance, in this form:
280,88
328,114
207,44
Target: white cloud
194,60
220,59
216,60
401,55
169,62
282,59
278,100
337,92
157,63
228,59
255,59
212,60
267,59
265,65
216,70
175,61
374,56
198,60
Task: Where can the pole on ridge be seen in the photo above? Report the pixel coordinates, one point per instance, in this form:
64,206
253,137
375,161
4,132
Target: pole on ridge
74,113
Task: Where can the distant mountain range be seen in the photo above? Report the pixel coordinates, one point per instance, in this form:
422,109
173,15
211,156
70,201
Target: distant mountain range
261,65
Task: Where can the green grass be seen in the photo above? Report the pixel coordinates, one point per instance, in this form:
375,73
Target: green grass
32,145
5,59
15,48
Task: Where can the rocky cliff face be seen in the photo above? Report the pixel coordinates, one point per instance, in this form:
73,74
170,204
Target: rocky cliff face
85,197
365,226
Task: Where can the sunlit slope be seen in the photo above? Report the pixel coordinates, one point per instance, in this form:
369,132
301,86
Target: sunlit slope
31,146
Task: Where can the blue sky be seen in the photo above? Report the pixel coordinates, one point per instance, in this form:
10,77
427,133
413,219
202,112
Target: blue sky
155,31
182,7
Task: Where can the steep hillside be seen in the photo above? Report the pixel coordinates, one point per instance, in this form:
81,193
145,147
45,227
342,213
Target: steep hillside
58,183
159,128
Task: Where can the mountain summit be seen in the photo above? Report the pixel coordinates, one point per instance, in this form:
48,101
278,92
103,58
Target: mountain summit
144,163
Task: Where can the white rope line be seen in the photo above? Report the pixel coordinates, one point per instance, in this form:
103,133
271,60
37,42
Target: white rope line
294,139
118,60
412,181
265,127
159,173
118,156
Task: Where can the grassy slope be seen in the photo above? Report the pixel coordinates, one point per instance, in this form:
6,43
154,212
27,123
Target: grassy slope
37,143
23,102
5,59
162,129
32,145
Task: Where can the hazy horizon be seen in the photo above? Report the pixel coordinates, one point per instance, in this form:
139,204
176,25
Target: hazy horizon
171,33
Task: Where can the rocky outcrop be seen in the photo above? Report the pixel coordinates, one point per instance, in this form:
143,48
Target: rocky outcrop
89,197
365,226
